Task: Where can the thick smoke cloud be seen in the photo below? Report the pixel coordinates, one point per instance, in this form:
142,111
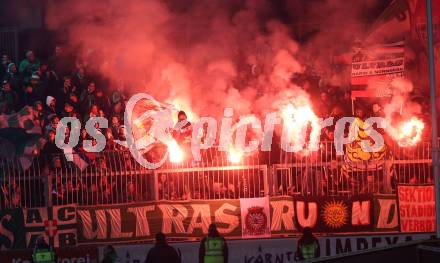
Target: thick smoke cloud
207,54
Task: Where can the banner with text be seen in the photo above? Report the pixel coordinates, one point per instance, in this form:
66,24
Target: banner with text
141,221
64,226
12,235
234,218
322,214
416,208
386,215
56,224
379,64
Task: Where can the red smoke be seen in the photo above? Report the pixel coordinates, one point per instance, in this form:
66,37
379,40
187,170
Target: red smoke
208,54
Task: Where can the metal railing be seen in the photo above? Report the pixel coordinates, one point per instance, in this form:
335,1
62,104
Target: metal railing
109,177
21,188
9,42
324,173
114,177
214,177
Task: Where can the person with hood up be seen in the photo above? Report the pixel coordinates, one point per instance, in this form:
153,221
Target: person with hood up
308,246
213,248
110,255
51,105
162,252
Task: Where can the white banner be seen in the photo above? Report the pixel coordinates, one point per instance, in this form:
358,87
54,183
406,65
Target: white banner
270,250
255,217
379,64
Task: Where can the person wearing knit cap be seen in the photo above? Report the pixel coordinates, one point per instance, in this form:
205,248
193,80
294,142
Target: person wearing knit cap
35,77
14,78
39,88
12,68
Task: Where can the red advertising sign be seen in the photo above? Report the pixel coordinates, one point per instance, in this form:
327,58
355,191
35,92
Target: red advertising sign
417,208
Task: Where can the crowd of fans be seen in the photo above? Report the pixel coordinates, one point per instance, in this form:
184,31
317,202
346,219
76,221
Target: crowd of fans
61,86
65,86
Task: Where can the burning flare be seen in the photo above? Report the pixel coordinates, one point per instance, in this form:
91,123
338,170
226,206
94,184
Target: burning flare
409,132
175,153
297,119
234,155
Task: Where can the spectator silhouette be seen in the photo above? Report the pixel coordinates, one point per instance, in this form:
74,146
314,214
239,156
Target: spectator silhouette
213,248
308,246
162,252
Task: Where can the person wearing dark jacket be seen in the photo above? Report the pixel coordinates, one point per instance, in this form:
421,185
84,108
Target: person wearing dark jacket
9,96
14,78
4,62
29,97
213,248
110,255
162,252
308,246
87,98
182,130
28,66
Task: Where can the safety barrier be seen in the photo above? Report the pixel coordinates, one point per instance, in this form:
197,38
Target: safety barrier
323,172
114,177
9,42
22,188
215,176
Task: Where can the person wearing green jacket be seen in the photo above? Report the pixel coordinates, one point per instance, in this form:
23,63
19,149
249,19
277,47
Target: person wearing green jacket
213,248
28,66
43,253
308,246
